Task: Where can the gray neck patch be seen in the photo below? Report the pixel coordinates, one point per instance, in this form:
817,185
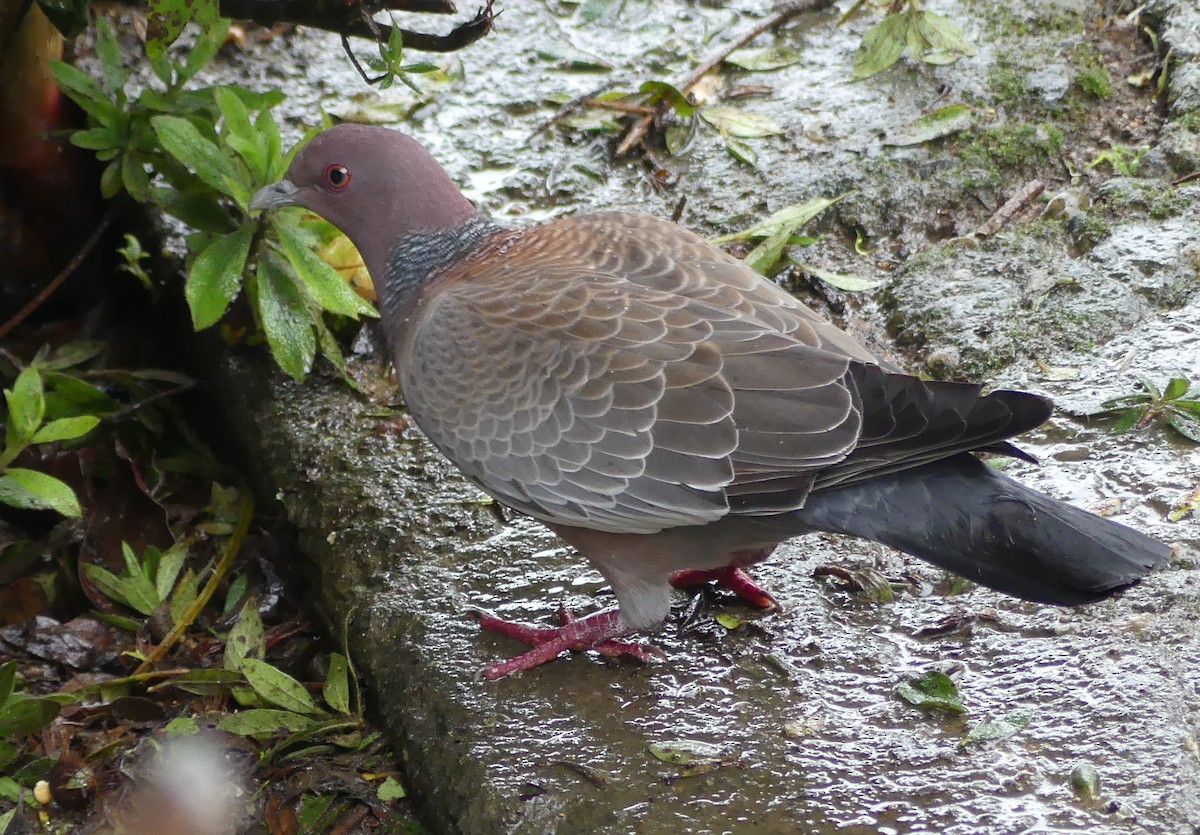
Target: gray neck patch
418,256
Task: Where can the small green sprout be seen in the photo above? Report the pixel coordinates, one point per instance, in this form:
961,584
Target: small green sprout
1171,405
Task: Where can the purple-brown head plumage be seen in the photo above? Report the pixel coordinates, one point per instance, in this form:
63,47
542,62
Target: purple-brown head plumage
373,183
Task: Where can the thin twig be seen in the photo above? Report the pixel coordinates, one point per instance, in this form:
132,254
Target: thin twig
1011,208
571,106
65,273
623,107
232,548
638,132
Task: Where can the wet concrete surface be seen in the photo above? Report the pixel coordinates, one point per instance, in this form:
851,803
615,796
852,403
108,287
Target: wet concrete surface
801,703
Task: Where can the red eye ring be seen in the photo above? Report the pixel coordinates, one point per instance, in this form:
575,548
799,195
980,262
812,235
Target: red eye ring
336,177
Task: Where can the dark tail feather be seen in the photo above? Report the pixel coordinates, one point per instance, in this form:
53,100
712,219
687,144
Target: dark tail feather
964,516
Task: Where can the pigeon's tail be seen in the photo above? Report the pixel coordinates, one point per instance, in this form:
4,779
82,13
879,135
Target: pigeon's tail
964,516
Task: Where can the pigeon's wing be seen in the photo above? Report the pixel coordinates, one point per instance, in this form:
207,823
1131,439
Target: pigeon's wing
592,383
675,260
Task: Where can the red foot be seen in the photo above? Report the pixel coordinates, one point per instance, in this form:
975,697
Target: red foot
731,577
597,632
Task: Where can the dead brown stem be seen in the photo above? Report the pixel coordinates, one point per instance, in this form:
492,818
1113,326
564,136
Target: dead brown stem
785,13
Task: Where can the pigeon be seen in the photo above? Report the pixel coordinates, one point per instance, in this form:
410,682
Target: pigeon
672,414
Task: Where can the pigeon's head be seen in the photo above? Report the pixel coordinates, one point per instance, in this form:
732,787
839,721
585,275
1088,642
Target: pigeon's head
374,184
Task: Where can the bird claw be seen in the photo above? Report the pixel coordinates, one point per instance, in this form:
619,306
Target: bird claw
731,577
598,631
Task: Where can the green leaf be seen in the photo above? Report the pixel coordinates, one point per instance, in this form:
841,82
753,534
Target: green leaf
70,355
69,396
106,581
882,46
11,791
134,176
1185,424
183,140
82,89
793,216
263,722
934,690
64,429
169,566
764,257
186,591
268,133
246,639
198,207
944,38
26,407
165,22
207,682
941,122
182,726
112,63
8,753
96,139
277,687
741,151
1085,780
1128,420
110,180
31,490
1150,386
391,789
687,752
843,281
215,276
739,123
662,91
285,320
23,715
214,31
316,813
325,284
8,680
337,684
727,620
133,589
764,59
994,730
240,133
1188,406
1176,388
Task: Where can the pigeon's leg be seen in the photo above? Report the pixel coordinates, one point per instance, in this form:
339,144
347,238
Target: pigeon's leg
732,577
598,631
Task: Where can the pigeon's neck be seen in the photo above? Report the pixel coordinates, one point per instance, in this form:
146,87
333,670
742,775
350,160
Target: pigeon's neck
416,257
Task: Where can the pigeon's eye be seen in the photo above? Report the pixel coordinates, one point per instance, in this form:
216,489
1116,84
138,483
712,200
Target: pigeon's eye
337,177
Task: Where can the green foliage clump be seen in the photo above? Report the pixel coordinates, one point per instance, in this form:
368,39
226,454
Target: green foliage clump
918,33
1091,76
1013,146
1175,405
199,154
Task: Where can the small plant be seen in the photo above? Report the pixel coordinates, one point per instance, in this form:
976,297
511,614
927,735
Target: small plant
920,34
1123,160
1170,405
146,582
199,155
390,63
27,424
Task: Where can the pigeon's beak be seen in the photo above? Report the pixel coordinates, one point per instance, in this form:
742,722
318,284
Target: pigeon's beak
282,193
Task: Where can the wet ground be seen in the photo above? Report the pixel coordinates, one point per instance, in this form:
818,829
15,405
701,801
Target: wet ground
801,704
